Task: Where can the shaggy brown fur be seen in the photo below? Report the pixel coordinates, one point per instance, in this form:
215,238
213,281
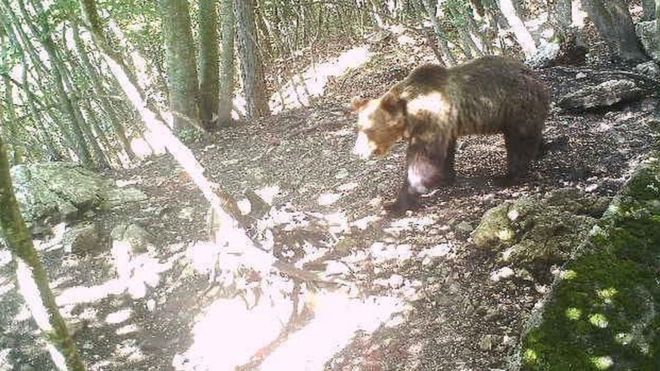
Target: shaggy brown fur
434,106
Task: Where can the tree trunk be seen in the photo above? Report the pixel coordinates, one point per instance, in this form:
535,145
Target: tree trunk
561,16
649,9
228,70
17,148
66,105
209,73
100,91
252,70
182,81
86,124
657,19
614,23
447,56
523,36
31,275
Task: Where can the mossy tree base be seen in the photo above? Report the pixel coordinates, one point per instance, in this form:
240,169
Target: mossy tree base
603,313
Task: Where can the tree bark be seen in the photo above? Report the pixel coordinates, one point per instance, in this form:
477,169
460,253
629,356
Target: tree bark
228,69
182,80
649,10
523,36
43,35
100,91
447,56
252,70
209,73
32,275
561,16
614,23
17,148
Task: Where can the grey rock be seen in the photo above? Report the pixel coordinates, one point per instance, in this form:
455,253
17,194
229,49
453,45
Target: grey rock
118,197
464,227
647,34
602,95
539,229
545,56
137,238
52,192
649,69
83,239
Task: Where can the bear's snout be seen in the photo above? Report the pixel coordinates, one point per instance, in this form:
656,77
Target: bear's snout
362,147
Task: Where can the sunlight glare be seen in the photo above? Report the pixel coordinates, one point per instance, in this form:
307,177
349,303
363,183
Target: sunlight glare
119,316
312,82
28,288
229,334
337,319
268,193
602,363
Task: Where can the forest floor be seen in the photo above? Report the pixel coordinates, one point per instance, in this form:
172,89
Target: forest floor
420,294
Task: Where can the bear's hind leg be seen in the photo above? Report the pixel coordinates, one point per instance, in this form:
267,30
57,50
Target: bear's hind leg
521,149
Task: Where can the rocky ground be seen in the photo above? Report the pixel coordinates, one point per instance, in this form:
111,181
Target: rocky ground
416,292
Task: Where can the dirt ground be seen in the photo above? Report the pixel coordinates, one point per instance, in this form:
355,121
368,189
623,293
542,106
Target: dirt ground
449,313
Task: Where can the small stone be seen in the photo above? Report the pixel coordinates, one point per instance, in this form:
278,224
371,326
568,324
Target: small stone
464,227
580,75
186,213
504,272
151,305
486,342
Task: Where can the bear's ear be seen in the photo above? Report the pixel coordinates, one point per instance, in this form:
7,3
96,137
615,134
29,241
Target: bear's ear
357,103
392,103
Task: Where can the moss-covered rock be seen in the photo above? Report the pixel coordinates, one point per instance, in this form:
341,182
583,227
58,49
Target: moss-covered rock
539,229
603,311
48,193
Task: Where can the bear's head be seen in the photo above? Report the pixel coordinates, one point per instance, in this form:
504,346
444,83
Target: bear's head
381,122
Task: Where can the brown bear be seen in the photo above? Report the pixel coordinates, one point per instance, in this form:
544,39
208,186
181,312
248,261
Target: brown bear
434,105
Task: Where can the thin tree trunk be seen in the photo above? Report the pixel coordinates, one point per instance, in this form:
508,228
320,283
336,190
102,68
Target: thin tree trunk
86,124
17,148
649,10
614,23
252,70
109,152
99,90
209,72
447,56
54,154
182,83
32,275
521,32
66,105
474,31
265,41
561,17
228,69
657,19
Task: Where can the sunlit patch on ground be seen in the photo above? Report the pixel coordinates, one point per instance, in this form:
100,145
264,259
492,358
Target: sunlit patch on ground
136,274
312,82
231,335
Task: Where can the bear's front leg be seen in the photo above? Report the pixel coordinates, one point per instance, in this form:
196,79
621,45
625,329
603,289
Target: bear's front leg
422,175
408,199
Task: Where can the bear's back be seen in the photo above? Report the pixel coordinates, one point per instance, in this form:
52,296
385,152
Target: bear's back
483,96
